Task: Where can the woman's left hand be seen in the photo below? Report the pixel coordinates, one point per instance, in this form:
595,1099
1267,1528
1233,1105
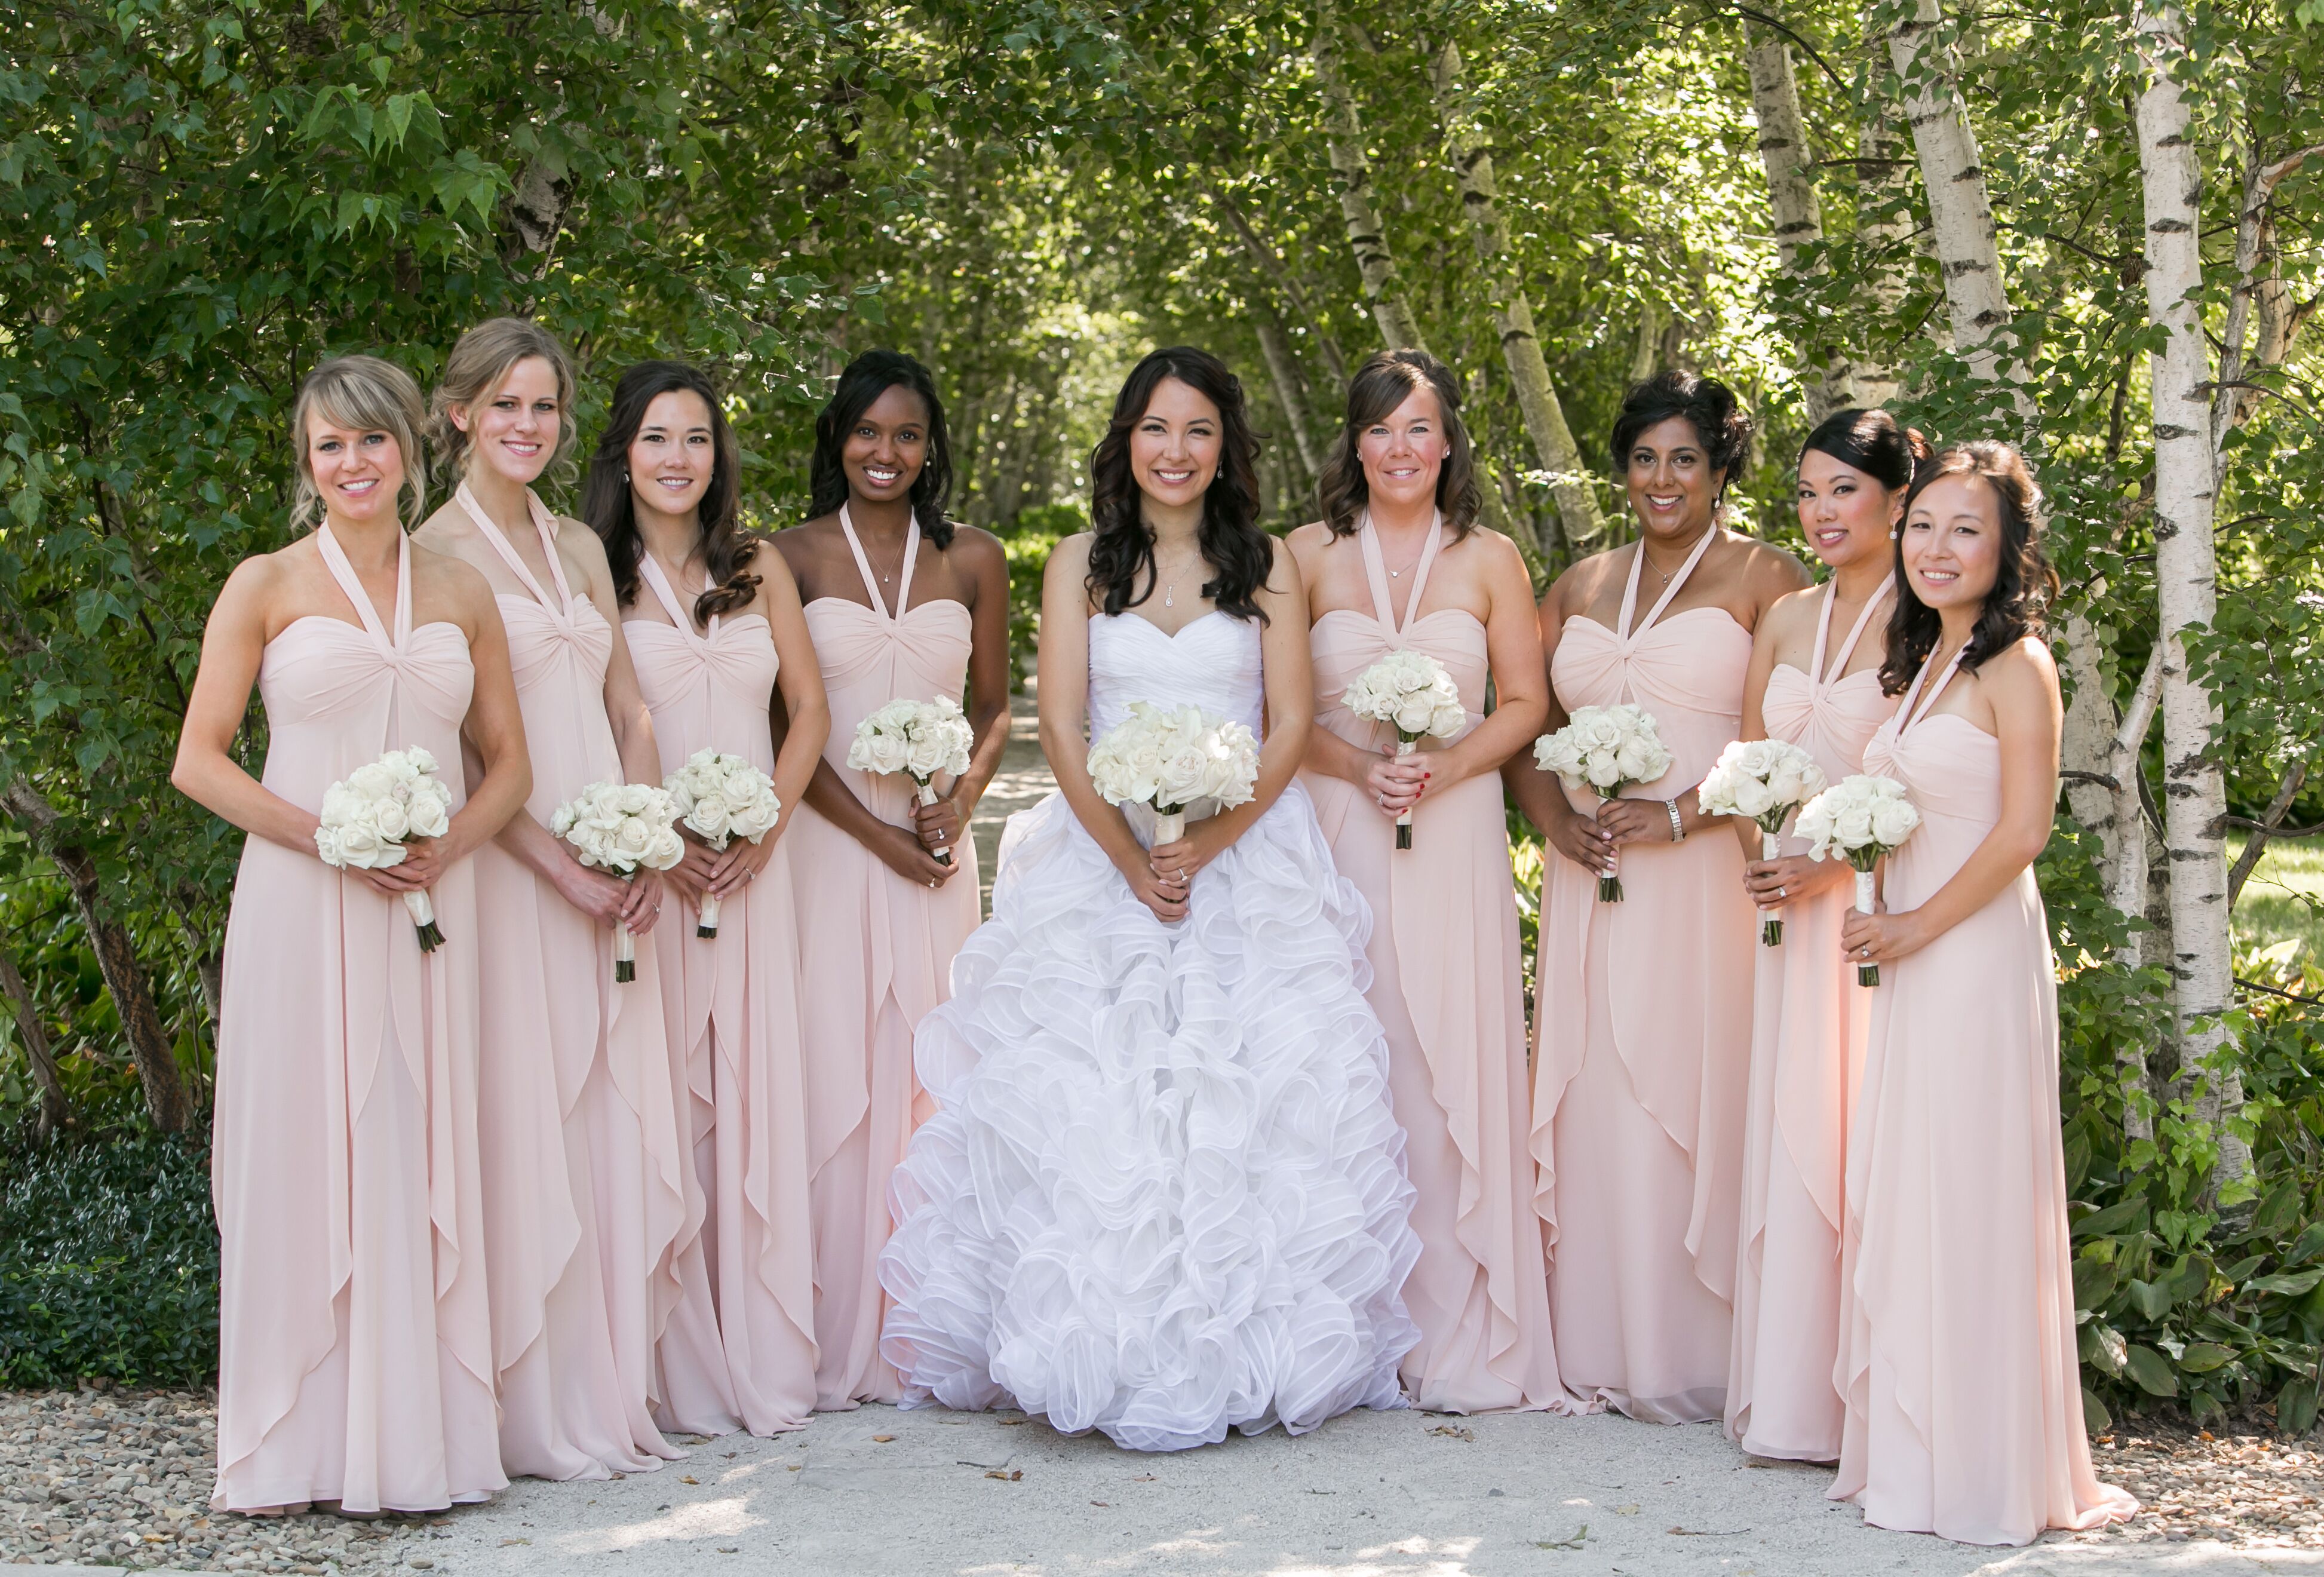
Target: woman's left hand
1635,821
1881,938
738,864
1177,864
642,905
938,822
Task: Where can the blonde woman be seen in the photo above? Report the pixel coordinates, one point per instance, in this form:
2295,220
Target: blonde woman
355,1365
585,1167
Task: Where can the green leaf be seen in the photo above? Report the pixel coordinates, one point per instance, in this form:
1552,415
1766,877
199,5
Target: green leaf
2150,1298
2103,1347
2202,1357
2295,1406
2291,1284
2151,1370
2122,1215
2094,1283
2096,1419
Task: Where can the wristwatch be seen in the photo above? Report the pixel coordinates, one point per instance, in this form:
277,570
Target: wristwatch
1678,827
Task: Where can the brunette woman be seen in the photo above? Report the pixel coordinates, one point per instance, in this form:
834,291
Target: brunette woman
713,624
1963,1390
1643,1007
1397,562
902,602
583,1161
355,1354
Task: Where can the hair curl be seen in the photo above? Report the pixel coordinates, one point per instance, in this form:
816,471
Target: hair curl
1121,550
2022,585
608,502
1386,381
366,394
1721,426
862,382
1873,442
479,363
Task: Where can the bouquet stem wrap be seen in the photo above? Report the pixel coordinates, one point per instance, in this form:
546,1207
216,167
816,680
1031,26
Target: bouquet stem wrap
705,920
1609,885
1771,921
622,829
1404,745
927,795
1867,974
1169,826
423,918
626,954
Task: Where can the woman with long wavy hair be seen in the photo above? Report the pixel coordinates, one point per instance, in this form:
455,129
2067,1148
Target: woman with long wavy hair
902,602
715,628
1397,562
1162,1193
1958,1350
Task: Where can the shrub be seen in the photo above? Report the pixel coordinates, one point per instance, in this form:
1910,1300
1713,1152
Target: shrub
108,1262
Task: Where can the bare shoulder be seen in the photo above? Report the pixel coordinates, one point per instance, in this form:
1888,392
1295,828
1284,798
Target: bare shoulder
1770,571
441,525
1071,555
2024,670
1283,576
1312,538
575,537
979,549
260,578
1574,590
1793,612
1494,553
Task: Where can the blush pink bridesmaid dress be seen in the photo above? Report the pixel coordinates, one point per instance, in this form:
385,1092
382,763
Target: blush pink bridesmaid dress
732,1005
1964,1391
1444,954
354,1336
878,949
1809,1024
584,1164
1642,1020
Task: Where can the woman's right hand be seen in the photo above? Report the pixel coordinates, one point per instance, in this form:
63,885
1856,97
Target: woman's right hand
1770,882
691,875
1396,783
1165,897
901,850
601,896
1582,840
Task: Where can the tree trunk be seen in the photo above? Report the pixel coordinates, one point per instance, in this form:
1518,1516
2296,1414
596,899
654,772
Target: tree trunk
1264,257
1351,173
2195,798
166,1098
2255,845
56,1111
1492,508
1276,347
1537,402
1884,234
2265,294
1825,382
1960,219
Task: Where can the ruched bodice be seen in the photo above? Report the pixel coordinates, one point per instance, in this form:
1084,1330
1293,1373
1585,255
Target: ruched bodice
708,689
320,671
1346,641
1830,714
1212,663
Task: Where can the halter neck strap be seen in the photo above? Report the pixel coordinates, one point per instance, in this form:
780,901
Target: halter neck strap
336,561
1854,632
1630,592
563,605
863,565
680,613
1376,572
1911,714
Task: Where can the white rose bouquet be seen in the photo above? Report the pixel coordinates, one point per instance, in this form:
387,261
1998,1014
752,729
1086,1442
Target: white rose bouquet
1171,759
1858,819
720,798
1762,780
1411,692
1605,750
367,817
923,738
622,828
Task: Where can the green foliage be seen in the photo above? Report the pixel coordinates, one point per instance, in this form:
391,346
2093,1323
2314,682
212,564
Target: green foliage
108,1263
1028,539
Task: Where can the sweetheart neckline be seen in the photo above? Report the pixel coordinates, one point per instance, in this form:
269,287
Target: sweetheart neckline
1901,735
1808,679
362,630
882,614
1165,634
1379,623
580,600
731,621
1662,624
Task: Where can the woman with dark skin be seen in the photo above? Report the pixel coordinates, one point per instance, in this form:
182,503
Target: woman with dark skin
904,603
1643,1016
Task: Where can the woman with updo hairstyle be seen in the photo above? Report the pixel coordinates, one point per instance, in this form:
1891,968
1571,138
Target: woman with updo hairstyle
1643,1007
1815,683
1397,562
902,602
355,1337
1963,1392
714,625
585,1162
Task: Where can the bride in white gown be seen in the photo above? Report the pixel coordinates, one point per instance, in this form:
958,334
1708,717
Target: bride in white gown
1163,1193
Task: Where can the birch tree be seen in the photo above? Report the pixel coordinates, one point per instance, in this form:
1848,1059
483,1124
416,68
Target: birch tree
1351,175
1825,377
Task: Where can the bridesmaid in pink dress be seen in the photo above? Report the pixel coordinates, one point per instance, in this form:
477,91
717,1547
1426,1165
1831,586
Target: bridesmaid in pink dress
1815,682
1386,570
354,1336
1643,1008
881,915
662,495
1964,1395
585,1165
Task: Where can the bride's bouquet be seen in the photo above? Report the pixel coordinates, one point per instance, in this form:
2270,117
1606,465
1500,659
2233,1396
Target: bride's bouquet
1411,692
1858,819
1171,759
923,738
622,828
368,815
720,798
1605,750
1763,780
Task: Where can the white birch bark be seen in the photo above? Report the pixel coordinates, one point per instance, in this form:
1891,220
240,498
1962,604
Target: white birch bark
2194,788
1545,415
1884,234
1825,381
1351,174
1275,347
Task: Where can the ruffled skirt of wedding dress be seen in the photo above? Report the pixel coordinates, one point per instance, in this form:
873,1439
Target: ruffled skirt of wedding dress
1163,1193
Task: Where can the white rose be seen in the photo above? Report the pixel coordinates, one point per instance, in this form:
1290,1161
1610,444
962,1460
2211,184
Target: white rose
632,837
430,816
1893,822
360,846
392,820
373,781
1753,798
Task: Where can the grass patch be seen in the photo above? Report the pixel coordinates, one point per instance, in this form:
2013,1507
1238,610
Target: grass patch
2285,899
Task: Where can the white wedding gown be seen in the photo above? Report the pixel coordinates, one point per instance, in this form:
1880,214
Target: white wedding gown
1163,1193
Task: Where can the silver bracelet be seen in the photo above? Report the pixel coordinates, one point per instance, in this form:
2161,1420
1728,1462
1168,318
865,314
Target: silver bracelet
1678,827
